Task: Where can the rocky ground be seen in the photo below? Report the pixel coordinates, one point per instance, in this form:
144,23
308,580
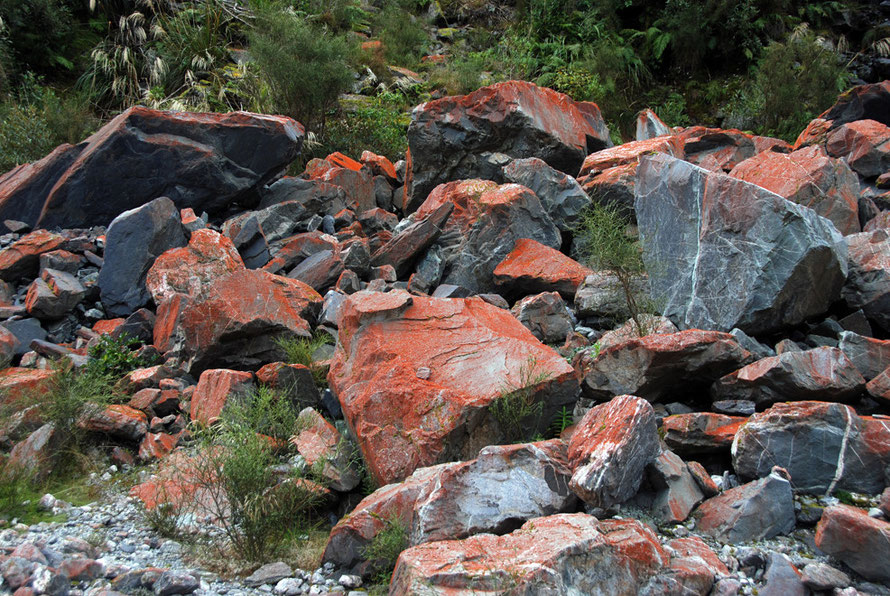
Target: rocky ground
526,436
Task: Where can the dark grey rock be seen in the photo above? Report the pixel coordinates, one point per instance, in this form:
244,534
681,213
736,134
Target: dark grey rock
782,578
25,331
271,573
316,196
560,194
132,243
824,577
752,345
871,356
175,582
545,315
868,283
722,253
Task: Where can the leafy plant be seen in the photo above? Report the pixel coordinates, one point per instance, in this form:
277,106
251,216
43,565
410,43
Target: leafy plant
563,419
379,124
113,357
300,350
403,36
386,546
516,410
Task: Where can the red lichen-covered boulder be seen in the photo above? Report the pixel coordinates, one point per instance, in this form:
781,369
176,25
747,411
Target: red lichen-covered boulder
37,454
694,568
860,541
560,554
655,367
325,450
879,388
754,511
18,383
237,320
868,283
484,227
609,449
22,258
215,388
824,446
187,270
628,154
823,373
9,343
451,138
649,126
716,149
118,421
53,294
415,377
358,184
403,249
202,161
669,490
808,177
863,102
531,268
864,145
700,432
294,249
157,446
379,165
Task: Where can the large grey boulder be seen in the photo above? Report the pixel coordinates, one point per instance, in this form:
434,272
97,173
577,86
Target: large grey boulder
722,253
868,284
871,356
453,138
132,243
559,193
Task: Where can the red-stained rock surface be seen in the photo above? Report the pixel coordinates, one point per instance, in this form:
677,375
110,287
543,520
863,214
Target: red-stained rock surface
118,421
215,388
299,247
532,267
357,183
325,450
516,118
22,258
868,282
380,165
716,149
342,161
19,383
157,446
860,541
864,145
669,491
814,134
37,454
879,387
655,366
700,432
808,177
208,256
693,569
236,320
609,449
108,326
628,154
413,374
540,557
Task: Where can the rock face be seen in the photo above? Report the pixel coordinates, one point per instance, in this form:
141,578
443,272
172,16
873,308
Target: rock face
824,446
610,448
325,450
53,294
545,315
819,374
532,267
560,554
560,194
448,137
655,366
864,144
858,540
868,283
701,432
753,511
202,161
415,377
215,389
808,177
484,227
670,491
871,356
723,253
22,258
132,243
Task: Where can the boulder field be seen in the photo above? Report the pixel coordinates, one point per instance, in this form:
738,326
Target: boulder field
526,433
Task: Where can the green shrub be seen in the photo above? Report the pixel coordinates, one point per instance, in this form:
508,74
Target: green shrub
386,546
42,33
300,350
403,36
304,65
113,357
516,409
379,124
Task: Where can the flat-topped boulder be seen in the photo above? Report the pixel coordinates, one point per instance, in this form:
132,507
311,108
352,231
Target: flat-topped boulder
416,377
532,267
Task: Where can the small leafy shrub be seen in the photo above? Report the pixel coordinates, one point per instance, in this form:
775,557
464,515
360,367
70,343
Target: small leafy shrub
386,546
403,36
68,393
379,125
516,410
563,419
113,357
42,33
303,65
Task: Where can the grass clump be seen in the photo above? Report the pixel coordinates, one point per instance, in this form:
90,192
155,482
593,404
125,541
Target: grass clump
300,350
516,410
384,549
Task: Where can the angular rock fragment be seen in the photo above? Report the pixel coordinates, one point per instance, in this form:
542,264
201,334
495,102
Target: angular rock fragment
532,267
858,540
405,247
545,315
670,492
868,283
864,145
701,432
560,194
871,356
215,389
325,450
22,257
53,295
118,421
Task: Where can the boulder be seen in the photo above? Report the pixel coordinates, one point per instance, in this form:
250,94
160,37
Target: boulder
610,448
495,492
559,554
824,446
291,251
133,241
716,149
868,283
237,320
8,346
871,356
403,249
864,145
545,315
17,383
216,387
781,577
202,161
879,388
118,421
669,491
22,257
863,102
694,569
484,227
808,177
657,367
190,269
325,451
820,374
822,577
560,194
447,137
293,381
754,511
649,126
860,541
415,377
700,432
62,260
37,455
602,295
316,196
321,270
53,295
357,184
532,267
722,253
